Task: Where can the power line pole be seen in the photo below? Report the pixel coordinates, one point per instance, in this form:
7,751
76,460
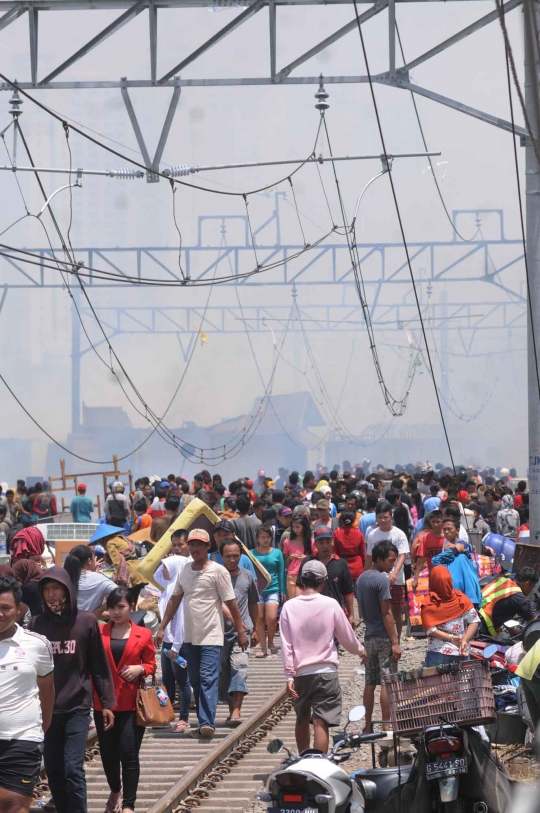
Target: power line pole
532,198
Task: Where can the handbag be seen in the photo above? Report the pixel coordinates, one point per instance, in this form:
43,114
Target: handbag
150,711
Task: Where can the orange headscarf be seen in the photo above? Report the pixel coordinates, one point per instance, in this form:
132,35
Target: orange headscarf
443,603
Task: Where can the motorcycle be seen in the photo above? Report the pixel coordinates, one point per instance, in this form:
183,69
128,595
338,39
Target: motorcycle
443,744
313,782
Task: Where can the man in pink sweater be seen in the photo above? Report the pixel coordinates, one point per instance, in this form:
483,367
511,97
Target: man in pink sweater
308,626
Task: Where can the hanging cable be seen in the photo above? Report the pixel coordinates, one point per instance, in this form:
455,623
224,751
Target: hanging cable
396,406
110,276
431,167
402,230
177,227
509,62
511,65
157,422
95,141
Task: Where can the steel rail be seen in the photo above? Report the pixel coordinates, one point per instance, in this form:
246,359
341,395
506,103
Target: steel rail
188,783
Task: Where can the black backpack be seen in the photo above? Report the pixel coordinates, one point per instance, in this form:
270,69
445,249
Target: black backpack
117,512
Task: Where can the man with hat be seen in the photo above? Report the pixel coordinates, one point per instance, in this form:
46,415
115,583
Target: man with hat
310,657
284,519
81,506
338,584
326,491
117,506
324,516
203,585
224,529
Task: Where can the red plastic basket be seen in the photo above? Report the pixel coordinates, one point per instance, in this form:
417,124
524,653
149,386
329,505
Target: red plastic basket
422,697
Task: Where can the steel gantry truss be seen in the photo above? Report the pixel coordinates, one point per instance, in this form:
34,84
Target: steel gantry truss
398,77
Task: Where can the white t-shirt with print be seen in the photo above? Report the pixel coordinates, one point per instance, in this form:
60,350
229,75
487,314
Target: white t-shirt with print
397,538
204,590
23,658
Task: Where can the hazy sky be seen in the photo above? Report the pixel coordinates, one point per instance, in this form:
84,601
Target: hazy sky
233,124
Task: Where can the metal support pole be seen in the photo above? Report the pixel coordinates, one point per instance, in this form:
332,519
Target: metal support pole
75,362
392,35
445,356
152,20
532,202
272,21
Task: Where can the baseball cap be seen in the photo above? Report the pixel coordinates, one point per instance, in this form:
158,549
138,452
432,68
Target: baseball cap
324,504
81,487
249,483
323,532
284,511
164,484
314,570
462,495
199,533
224,525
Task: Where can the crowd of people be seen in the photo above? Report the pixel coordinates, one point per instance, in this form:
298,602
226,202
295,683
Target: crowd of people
343,549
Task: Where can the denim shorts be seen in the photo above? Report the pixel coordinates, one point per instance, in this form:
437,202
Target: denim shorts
270,598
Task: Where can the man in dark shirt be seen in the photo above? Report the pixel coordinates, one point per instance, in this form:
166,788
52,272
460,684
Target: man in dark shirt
339,584
235,661
528,580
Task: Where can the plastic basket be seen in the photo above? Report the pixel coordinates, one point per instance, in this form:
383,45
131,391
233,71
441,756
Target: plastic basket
460,693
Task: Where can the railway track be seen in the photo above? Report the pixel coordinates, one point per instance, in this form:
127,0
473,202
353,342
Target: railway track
179,774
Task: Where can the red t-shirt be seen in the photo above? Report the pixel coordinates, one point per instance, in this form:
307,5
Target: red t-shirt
429,547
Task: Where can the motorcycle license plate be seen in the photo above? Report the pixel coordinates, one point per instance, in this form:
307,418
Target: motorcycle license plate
446,767
298,809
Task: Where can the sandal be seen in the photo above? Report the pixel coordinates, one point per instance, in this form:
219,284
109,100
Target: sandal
181,727
114,807
261,655
274,650
233,722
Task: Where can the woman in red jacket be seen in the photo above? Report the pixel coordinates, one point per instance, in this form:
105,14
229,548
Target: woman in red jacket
131,655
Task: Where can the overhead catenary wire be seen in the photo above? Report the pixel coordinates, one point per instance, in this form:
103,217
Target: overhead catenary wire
402,230
159,427
80,270
396,406
424,142
510,68
138,164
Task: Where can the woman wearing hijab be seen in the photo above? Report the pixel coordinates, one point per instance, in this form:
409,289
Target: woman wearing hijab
449,620
27,544
28,573
508,520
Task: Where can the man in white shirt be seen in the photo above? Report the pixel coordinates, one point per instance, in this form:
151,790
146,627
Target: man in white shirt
203,585
26,702
384,531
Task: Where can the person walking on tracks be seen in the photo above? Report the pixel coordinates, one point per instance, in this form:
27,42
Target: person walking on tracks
204,585
308,626
27,699
131,656
79,661
235,661
381,639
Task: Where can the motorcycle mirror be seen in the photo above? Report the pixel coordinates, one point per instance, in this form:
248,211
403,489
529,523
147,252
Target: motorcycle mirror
275,746
356,714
